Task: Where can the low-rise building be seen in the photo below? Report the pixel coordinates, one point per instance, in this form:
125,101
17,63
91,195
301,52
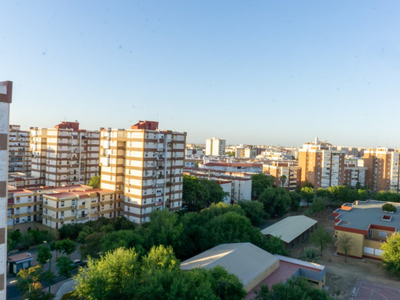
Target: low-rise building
292,230
366,225
255,266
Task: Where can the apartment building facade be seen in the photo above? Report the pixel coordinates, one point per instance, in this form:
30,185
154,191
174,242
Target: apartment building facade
79,204
383,169
65,154
5,101
145,166
321,165
19,150
215,146
290,170
354,175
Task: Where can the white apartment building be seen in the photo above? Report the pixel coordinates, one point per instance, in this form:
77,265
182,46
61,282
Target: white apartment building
144,165
64,155
215,147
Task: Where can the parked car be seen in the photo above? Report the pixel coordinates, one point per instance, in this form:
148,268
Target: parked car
78,263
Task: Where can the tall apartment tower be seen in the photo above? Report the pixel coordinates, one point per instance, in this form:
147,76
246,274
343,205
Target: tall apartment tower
65,154
19,152
5,101
321,165
215,146
145,165
383,169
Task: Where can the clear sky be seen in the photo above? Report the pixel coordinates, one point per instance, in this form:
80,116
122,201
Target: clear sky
256,72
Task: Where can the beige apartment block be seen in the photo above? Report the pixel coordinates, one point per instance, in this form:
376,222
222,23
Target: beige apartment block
145,166
215,147
79,205
383,169
65,154
19,152
321,165
289,169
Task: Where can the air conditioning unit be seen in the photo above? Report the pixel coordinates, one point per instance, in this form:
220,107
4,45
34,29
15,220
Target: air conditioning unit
61,218
73,206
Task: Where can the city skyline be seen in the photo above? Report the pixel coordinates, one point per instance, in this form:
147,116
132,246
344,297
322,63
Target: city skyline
249,72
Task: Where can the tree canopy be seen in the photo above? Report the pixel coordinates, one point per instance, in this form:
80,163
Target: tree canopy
276,201
391,254
122,274
321,238
95,182
260,182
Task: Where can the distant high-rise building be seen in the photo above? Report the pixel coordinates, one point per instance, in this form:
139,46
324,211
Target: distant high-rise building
65,154
5,101
215,147
145,166
383,169
320,165
290,170
19,152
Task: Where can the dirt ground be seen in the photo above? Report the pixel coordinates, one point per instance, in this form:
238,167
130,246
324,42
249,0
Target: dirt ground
341,275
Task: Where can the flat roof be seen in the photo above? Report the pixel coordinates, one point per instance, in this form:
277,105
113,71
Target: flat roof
364,214
289,228
25,256
245,260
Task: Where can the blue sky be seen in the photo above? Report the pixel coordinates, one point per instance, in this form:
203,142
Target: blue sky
255,72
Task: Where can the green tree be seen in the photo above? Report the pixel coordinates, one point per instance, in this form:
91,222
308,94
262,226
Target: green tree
95,182
321,238
391,254
225,285
282,179
26,240
64,266
215,192
70,231
122,239
389,207
295,201
345,244
28,282
44,254
307,193
276,201
254,211
164,229
317,206
294,289
260,182
221,208
160,257
67,246
84,233
13,239
92,245
194,193
310,255
112,276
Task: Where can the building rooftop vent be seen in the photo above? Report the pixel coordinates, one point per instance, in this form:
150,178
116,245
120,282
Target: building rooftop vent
386,218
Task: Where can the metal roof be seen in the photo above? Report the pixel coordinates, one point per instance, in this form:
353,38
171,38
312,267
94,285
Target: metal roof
289,228
245,260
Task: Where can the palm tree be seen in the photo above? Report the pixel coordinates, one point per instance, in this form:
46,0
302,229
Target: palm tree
310,255
283,179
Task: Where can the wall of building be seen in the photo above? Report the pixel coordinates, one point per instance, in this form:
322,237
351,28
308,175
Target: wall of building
357,241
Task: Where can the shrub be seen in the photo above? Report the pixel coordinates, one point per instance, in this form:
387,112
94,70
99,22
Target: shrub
389,207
